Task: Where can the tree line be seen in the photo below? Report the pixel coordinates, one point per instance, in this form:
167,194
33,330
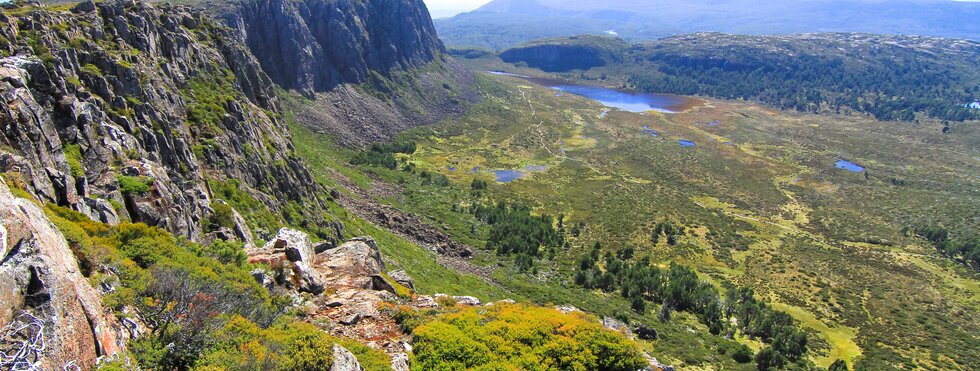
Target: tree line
383,154
966,249
678,288
895,89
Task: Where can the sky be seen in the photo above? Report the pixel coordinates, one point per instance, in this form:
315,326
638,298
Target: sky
449,8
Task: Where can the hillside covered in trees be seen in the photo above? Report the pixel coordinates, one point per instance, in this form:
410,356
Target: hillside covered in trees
893,78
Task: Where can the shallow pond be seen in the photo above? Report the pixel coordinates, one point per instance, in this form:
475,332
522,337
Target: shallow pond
686,143
849,166
510,175
507,176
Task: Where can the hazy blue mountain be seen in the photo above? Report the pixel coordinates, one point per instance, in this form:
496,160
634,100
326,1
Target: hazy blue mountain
503,23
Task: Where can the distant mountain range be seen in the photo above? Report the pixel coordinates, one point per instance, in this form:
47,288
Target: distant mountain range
504,23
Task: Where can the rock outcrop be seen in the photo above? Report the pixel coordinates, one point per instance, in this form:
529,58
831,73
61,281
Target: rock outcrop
48,310
400,362
290,257
344,360
356,264
618,326
402,278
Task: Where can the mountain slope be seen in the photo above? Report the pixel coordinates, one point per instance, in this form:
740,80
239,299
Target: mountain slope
504,23
192,234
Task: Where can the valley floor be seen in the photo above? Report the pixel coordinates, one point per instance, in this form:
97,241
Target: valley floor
759,197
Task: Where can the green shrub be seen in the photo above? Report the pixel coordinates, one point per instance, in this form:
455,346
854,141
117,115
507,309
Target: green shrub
207,98
479,184
222,216
183,294
257,214
742,354
134,185
228,252
73,154
243,345
92,69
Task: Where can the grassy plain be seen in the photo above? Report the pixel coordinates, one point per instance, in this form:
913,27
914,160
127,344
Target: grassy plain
762,203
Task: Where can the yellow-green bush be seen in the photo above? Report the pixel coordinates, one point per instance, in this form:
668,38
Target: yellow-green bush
515,336
243,345
183,291
73,154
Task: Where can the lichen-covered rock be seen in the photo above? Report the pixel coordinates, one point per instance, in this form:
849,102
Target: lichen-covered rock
467,300
290,256
40,283
566,309
399,362
618,326
327,244
402,278
351,265
344,360
425,301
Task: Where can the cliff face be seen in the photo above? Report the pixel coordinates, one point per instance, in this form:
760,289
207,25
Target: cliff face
315,45
126,110
368,69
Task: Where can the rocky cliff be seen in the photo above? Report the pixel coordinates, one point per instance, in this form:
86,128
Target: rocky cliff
123,110
315,45
367,69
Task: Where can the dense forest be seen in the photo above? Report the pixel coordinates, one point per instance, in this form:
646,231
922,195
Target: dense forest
514,231
812,83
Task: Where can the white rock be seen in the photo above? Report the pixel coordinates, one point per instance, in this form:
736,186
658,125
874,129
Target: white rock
399,362
344,360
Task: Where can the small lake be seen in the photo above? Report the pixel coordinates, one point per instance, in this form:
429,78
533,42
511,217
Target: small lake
507,176
510,175
614,98
849,166
686,143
